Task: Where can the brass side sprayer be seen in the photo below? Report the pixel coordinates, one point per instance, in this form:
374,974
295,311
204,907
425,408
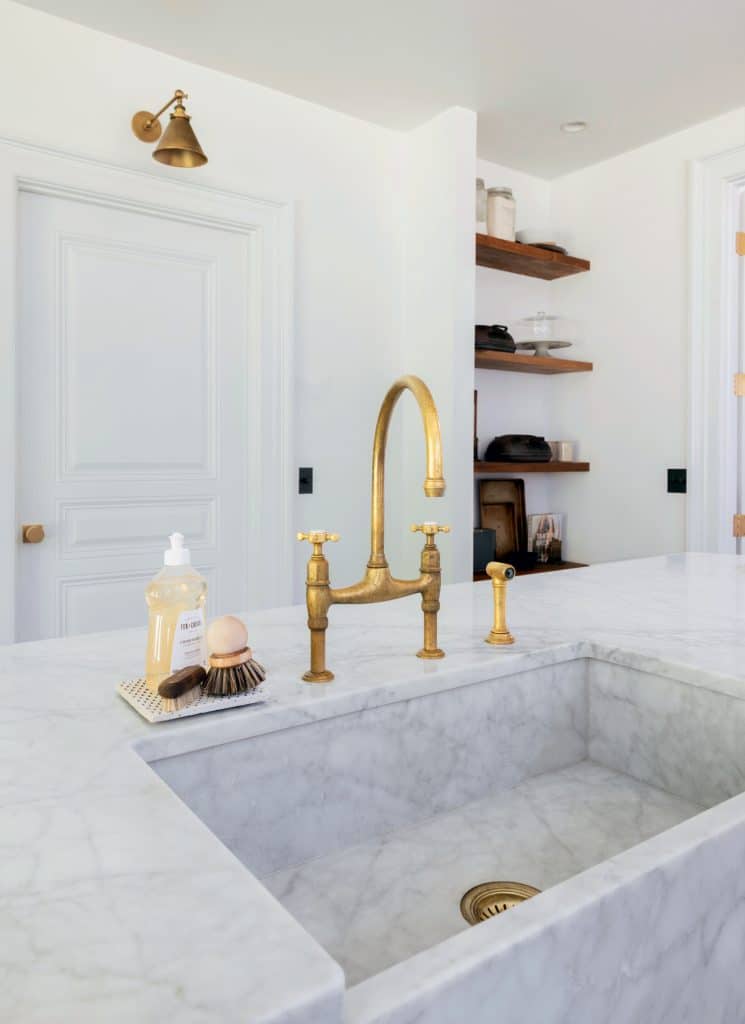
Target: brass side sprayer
500,573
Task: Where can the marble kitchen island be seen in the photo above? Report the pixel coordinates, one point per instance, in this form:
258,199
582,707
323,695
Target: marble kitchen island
122,902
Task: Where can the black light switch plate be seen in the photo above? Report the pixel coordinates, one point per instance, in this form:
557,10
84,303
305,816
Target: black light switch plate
676,481
305,480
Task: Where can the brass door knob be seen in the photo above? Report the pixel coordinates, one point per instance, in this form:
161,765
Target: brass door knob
32,533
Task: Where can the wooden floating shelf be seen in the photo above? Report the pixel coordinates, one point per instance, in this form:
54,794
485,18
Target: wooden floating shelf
519,362
480,468
545,567
529,260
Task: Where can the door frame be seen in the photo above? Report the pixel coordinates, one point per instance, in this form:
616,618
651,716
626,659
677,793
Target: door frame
716,305
267,224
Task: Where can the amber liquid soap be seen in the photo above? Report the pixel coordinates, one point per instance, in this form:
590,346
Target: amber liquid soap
176,599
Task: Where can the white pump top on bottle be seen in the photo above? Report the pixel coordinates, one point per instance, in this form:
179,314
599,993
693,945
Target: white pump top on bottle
177,554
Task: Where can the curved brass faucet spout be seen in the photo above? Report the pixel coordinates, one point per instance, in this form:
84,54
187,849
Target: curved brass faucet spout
434,484
377,584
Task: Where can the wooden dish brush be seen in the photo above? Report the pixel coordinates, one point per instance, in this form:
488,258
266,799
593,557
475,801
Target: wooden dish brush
182,688
232,667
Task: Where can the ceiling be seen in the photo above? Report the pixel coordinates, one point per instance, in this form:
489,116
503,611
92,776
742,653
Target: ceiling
634,70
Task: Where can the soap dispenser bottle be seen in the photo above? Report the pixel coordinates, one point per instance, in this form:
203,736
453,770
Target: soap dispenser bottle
176,628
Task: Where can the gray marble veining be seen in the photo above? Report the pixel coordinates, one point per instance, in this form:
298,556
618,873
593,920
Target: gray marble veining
282,798
379,903
686,739
117,903
654,935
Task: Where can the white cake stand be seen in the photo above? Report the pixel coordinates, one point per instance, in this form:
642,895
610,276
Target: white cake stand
541,348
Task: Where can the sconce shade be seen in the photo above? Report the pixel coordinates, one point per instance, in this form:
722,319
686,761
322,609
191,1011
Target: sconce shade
178,146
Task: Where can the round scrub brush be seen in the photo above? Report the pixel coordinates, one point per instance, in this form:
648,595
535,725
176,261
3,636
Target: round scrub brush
232,668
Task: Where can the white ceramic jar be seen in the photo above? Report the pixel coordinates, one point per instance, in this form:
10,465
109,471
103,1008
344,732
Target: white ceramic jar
500,213
563,451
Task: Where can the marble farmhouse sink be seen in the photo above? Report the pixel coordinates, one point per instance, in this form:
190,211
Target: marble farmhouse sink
601,784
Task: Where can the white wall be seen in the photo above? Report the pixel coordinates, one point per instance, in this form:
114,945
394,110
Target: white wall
383,284
437,335
630,217
512,403
73,89
70,88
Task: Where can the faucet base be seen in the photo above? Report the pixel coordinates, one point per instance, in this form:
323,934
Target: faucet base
436,653
500,638
318,677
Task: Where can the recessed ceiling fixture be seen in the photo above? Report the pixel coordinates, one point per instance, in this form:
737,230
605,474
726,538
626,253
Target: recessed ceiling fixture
179,146
572,127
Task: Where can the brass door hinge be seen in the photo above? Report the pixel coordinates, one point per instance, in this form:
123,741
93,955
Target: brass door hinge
740,243
738,525
740,384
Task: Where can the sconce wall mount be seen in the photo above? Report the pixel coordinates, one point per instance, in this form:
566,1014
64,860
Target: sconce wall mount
178,146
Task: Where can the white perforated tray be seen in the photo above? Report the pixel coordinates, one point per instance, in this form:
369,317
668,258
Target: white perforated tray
149,705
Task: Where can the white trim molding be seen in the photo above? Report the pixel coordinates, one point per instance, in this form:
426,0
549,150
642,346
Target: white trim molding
716,302
268,227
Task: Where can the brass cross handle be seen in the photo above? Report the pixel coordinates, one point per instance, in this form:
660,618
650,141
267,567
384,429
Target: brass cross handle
318,538
429,529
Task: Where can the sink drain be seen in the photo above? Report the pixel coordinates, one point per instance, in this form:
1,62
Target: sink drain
492,898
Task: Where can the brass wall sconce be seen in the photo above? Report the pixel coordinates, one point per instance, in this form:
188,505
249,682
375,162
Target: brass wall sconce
179,146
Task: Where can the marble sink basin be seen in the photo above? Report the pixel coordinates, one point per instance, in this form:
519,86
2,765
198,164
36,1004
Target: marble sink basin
587,778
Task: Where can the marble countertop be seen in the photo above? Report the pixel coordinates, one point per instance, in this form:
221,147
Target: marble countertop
118,904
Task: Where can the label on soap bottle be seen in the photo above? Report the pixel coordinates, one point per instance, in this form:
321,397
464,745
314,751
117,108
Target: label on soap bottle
189,643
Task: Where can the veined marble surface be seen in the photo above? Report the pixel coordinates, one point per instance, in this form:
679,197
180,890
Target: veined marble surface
282,798
376,904
118,904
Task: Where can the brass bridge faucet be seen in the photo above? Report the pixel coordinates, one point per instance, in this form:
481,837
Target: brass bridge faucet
378,584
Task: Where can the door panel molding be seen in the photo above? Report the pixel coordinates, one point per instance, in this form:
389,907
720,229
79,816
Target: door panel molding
71,595
83,525
71,465
267,226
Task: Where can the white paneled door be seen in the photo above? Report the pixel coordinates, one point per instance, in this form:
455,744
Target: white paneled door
133,384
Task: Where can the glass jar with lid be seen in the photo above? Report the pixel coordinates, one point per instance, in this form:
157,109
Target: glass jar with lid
500,213
543,332
480,205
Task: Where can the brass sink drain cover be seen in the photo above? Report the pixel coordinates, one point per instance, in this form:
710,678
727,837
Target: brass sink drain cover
492,898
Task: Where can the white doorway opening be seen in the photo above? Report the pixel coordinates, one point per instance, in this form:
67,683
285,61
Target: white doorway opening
716,418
